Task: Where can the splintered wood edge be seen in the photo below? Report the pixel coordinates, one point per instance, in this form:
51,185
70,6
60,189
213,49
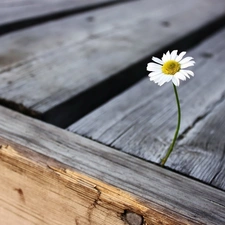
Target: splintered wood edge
62,177
118,206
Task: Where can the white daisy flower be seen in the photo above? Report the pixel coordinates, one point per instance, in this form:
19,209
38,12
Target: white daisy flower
171,67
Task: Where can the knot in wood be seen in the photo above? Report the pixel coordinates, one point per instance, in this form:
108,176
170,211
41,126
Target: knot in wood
133,218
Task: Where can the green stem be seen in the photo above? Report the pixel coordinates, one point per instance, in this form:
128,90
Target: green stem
164,159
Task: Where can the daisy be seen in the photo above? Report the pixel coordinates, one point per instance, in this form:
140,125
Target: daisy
171,67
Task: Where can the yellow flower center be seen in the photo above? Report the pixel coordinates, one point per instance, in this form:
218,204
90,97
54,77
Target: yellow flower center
171,67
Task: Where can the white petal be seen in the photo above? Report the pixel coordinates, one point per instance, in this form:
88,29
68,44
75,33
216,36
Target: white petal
161,83
165,58
157,60
168,55
175,81
174,54
152,74
161,79
155,70
184,73
180,56
185,60
155,77
180,76
168,78
158,78
153,66
164,79
185,65
189,72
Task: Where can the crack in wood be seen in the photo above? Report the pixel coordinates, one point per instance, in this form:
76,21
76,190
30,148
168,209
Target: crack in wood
93,205
90,210
220,167
201,117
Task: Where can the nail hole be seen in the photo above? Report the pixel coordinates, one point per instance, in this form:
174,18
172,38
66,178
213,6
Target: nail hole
20,192
90,18
165,23
207,55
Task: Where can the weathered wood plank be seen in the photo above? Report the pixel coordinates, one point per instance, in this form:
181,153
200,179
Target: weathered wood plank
142,120
202,149
43,67
90,183
16,11
66,198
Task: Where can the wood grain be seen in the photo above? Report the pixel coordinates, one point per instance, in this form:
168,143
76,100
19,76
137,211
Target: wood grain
142,120
55,174
16,11
36,192
202,149
45,66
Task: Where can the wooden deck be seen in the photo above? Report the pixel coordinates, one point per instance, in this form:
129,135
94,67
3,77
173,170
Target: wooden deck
82,130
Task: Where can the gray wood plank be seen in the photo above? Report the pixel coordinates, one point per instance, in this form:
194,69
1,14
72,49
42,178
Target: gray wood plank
159,195
15,11
142,120
45,66
202,149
